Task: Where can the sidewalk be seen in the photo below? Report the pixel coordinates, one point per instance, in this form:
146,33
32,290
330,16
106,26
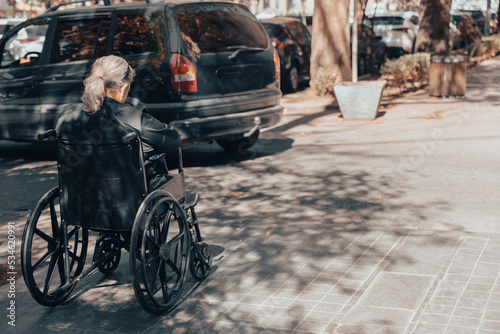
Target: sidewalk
317,250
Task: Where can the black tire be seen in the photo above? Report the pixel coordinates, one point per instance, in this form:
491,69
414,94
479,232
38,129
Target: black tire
43,274
291,81
159,252
362,66
239,143
103,246
201,261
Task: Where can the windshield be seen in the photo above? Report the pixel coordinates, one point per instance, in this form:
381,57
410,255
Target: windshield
212,28
387,20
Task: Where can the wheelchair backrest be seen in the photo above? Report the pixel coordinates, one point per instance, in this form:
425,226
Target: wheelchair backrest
102,186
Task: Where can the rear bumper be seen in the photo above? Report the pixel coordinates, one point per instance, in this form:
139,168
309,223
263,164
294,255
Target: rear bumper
208,128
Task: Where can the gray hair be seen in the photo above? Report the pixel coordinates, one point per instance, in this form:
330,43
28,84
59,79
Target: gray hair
110,72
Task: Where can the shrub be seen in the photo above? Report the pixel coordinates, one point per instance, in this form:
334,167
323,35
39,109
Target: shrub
409,69
488,47
324,81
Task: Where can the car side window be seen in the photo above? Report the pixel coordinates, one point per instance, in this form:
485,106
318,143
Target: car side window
135,34
25,47
414,19
80,39
302,31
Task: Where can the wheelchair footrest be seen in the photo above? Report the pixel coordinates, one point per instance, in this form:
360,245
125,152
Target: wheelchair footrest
191,200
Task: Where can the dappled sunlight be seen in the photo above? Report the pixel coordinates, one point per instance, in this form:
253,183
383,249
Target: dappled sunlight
36,168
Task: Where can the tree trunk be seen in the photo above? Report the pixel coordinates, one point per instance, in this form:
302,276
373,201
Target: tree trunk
434,32
330,55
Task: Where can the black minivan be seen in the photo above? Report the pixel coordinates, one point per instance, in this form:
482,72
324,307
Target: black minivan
207,68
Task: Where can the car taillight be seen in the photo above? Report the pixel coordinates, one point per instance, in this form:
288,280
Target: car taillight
277,67
183,74
279,45
402,29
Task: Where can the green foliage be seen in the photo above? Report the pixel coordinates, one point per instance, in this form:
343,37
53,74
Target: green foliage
411,68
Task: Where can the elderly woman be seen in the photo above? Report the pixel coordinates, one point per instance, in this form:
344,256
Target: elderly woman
104,112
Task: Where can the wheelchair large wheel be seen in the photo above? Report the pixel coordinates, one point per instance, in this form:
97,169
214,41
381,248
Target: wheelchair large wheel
43,249
159,252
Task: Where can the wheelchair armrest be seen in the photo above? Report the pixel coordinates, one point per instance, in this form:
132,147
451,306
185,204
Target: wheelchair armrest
46,134
129,137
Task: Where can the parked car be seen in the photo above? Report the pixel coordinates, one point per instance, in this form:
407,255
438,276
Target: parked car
292,40
398,30
207,68
463,30
306,20
372,51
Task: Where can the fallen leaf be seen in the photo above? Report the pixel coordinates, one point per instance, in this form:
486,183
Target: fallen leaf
234,194
270,233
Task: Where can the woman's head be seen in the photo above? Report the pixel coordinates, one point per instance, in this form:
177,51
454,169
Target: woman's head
110,76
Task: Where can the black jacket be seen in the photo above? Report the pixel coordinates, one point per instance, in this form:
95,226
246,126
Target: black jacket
75,125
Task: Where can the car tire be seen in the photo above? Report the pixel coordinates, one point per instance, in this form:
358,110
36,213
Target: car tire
291,82
362,66
238,144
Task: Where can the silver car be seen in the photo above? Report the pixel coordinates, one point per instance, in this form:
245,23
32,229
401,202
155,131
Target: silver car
398,31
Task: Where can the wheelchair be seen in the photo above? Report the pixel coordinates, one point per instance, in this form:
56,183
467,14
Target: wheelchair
104,189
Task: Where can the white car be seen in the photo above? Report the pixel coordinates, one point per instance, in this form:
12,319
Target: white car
6,24
398,31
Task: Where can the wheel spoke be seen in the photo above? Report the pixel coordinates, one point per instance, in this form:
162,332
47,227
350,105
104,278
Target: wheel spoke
44,236
164,281
173,266
72,233
53,219
60,266
50,273
152,259
44,257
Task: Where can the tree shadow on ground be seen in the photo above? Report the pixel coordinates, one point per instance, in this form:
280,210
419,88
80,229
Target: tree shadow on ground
297,239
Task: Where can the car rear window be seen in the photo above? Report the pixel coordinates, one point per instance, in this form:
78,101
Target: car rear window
212,28
275,31
387,20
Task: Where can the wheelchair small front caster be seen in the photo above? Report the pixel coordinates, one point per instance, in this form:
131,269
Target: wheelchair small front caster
201,261
104,246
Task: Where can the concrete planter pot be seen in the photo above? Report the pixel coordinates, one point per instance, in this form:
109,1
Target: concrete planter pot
359,100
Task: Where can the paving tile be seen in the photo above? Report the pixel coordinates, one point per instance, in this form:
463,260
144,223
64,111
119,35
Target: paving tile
310,296
469,312
366,315
425,328
492,314
328,307
284,323
460,330
490,325
248,329
433,318
459,321
472,302
312,325
440,309
406,290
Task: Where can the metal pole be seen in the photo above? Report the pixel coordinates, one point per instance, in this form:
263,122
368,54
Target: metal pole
354,48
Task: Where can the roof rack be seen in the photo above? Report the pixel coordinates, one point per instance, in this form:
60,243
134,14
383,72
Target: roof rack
53,9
